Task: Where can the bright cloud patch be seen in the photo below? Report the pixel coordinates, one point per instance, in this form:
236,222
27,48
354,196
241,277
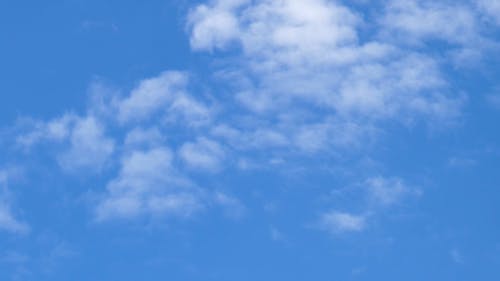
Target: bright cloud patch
89,147
306,66
85,145
340,222
148,184
329,68
152,95
165,94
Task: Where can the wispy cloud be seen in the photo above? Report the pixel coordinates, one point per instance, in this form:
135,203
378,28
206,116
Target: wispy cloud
328,82
340,222
203,154
148,184
166,95
369,199
82,141
491,8
389,191
416,21
89,147
457,256
7,220
494,99
9,223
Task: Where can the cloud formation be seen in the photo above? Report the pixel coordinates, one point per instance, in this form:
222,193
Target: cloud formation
202,154
416,21
7,220
312,52
491,8
148,184
308,77
368,200
167,94
300,79
387,192
83,142
341,222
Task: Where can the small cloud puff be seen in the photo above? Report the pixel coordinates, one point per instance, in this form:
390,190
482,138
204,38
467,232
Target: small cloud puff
388,191
341,222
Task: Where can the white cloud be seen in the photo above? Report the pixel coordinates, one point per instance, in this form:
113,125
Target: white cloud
330,133
143,137
81,141
262,26
55,130
165,94
203,154
494,99
416,20
7,220
247,138
298,32
306,59
341,222
373,196
148,184
491,8
89,148
307,77
214,26
388,191
289,136
181,204
407,86
152,95
186,109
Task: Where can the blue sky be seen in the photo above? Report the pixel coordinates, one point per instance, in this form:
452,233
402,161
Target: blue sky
249,140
